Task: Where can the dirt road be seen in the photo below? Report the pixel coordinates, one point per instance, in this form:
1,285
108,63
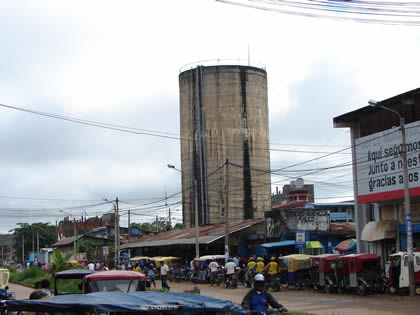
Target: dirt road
21,292
302,301
319,303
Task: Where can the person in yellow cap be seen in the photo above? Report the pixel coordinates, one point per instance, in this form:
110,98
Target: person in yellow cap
260,265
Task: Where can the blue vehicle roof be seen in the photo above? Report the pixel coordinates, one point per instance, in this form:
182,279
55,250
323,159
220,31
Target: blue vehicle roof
73,273
137,302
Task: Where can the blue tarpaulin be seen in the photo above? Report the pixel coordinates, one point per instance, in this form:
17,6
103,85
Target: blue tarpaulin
279,244
138,302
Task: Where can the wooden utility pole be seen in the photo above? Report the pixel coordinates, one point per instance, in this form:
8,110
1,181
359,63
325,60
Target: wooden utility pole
117,217
74,234
37,245
23,250
129,227
197,234
227,211
33,244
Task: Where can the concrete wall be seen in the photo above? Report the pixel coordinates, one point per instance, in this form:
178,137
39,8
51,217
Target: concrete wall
227,105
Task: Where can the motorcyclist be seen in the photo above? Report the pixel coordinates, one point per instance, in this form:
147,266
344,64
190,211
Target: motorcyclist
258,300
271,267
250,270
260,265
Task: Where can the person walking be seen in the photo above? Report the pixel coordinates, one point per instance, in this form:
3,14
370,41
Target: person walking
202,266
164,276
213,271
151,273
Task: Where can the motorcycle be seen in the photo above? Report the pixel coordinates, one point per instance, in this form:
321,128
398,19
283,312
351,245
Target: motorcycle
249,279
231,281
273,282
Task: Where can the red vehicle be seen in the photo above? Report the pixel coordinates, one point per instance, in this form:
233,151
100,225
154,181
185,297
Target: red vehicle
361,273
114,281
323,272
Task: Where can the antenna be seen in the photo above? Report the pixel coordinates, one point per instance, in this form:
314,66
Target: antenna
249,56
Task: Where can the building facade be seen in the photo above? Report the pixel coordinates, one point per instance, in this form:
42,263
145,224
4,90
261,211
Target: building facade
378,172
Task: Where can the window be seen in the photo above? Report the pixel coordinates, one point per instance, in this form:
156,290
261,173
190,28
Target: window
405,261
418,260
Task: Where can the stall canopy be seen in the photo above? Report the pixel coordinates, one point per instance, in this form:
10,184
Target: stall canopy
346,245
279,244
379,230
314,244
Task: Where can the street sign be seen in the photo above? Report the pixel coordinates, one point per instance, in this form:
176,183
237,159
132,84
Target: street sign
105,250
300,239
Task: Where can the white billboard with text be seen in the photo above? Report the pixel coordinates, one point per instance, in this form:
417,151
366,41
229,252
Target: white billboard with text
379,164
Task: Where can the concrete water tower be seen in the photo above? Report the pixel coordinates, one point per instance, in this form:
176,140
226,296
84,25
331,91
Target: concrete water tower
224,115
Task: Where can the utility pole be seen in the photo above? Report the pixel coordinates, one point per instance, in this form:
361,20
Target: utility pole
157,228
33,244
197,234
227,211
129,227
170,220
23,250
74,235
117,219
37,245
2,249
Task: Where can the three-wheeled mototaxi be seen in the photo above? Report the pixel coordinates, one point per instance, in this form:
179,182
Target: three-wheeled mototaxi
4,285
298,267
361,273
146,302
323,272
398,272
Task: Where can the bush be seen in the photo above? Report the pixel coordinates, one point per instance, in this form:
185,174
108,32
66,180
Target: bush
33,272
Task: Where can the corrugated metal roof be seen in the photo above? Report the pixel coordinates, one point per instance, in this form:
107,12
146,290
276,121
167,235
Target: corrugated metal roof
207,234
65,241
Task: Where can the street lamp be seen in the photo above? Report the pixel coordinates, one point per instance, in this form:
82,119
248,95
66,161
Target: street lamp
407,209
197,243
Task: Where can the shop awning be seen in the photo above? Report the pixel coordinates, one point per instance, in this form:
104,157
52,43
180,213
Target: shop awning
279,244
379,230
314,244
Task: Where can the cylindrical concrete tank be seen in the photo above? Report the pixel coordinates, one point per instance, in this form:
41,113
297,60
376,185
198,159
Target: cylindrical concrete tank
224,115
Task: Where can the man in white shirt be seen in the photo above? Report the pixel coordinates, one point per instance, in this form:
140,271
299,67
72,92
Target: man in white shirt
164,276
213,270
91,266
230,267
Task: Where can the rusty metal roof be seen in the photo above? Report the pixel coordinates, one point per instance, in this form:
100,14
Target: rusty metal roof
207,235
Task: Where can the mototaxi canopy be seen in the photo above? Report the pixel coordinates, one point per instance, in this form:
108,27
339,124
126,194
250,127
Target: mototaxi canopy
136,302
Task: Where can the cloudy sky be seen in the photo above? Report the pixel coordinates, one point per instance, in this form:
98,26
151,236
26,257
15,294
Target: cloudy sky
117,62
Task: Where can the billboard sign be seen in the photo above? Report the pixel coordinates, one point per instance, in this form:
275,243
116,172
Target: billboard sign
379,164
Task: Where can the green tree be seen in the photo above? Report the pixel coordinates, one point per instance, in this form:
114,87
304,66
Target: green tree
59,261
28,232
178,226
